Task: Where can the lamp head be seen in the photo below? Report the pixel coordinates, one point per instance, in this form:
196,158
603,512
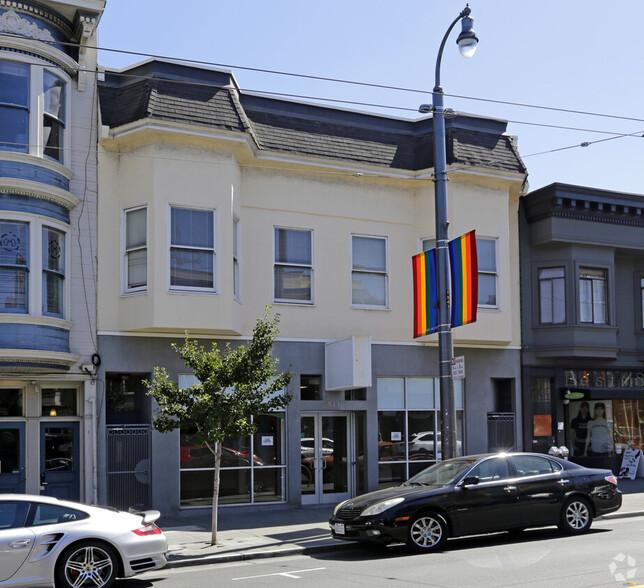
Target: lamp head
467,40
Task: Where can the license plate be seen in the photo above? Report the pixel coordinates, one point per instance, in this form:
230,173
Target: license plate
339,528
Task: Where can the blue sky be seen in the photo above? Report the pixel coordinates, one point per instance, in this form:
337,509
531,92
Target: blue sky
563,54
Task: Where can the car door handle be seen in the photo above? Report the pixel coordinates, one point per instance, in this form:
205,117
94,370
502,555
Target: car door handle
563,481
20,543
510,488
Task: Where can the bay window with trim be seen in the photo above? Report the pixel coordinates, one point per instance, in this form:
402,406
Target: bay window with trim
409,425
192,249
135,257
293,265
369,274
253,468
33,109
592,296
32,283
487,266
552,295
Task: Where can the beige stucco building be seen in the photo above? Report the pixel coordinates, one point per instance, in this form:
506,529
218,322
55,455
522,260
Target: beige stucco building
215,203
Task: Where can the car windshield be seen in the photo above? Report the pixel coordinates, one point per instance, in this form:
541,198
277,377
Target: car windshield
441,474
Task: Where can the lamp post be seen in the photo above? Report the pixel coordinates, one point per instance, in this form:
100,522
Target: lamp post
467,41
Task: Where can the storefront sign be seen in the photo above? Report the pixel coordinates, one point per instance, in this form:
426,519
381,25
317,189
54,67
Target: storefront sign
603,379
574,395
630,462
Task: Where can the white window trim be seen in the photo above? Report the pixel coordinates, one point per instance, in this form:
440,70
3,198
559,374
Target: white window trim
124,287
310,302
386,273
215,249
237,282
37,106
496,306
35,273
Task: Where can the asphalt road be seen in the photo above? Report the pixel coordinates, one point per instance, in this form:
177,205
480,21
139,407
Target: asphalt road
611,555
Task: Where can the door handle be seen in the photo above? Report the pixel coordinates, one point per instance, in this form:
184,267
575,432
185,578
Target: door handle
510,488
20,543
563,481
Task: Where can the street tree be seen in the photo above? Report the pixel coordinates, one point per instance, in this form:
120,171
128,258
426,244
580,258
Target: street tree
232,388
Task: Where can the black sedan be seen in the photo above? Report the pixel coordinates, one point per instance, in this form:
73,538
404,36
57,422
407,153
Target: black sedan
479,494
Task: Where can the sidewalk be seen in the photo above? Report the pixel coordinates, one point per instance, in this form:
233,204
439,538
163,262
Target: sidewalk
253,533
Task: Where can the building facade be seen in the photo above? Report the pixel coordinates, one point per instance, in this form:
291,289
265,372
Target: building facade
48,198
582,289
215,203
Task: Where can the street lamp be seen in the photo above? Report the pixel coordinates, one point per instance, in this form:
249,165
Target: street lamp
467,41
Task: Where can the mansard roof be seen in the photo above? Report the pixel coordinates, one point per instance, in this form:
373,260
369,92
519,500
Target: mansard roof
167,91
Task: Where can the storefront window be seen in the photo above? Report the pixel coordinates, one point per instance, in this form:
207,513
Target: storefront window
629,423
10,402
59,402
409,426
591,428
252,468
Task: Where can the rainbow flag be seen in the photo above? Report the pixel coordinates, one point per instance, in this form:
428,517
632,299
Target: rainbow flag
425,293
463,264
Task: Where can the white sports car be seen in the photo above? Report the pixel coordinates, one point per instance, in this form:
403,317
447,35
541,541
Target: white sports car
46,541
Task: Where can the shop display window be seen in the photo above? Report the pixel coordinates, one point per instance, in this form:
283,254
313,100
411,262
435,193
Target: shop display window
591,428
629,423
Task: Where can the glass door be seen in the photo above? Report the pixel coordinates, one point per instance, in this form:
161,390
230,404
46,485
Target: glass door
12,458
59,460
325,465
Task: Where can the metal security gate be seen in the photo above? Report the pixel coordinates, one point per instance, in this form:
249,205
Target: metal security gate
500,431
128,467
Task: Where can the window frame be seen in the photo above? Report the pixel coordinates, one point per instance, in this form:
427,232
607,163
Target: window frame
384,273
215,278
593,280
36,109
56,273
125,251
300,302
34,282
550,280
236,258
494,273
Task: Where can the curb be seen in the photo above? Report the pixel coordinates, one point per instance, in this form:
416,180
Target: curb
194,560
237,556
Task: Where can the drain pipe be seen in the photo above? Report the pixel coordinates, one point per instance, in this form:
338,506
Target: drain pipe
92,404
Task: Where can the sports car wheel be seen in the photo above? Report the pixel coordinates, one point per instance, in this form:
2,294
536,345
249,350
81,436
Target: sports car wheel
427,532
576,516
86,564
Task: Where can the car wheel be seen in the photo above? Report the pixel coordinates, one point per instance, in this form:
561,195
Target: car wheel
87,563
576,516
427,532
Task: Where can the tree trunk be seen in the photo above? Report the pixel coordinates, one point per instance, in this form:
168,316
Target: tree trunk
215,494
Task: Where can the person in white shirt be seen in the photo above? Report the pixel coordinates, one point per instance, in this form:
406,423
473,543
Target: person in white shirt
598,437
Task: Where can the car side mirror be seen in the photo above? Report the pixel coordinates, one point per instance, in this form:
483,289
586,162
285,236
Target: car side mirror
470,481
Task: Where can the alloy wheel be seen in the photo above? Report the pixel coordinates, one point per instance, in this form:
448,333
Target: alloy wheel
426,532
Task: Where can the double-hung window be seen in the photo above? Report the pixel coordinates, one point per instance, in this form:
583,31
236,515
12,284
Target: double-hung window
33,109
14,267
293,268
53,271
192,248
552,296
369,271
14,106
486,251
236,277
53,124
592,295
136,251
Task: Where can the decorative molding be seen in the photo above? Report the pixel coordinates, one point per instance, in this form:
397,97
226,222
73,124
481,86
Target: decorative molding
30,319
49,164
44,51
12,22
40,12
85,27
39,190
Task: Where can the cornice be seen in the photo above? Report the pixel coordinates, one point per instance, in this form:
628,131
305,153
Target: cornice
43,162
40,11
39,190
606,212
22,358
41,51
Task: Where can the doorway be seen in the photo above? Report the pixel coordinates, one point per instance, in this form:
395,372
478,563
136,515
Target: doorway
12,458
326,473
59,460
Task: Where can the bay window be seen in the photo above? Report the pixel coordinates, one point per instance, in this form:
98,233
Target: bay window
592,295
53,272
136,252
293,268
14,266
552,295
